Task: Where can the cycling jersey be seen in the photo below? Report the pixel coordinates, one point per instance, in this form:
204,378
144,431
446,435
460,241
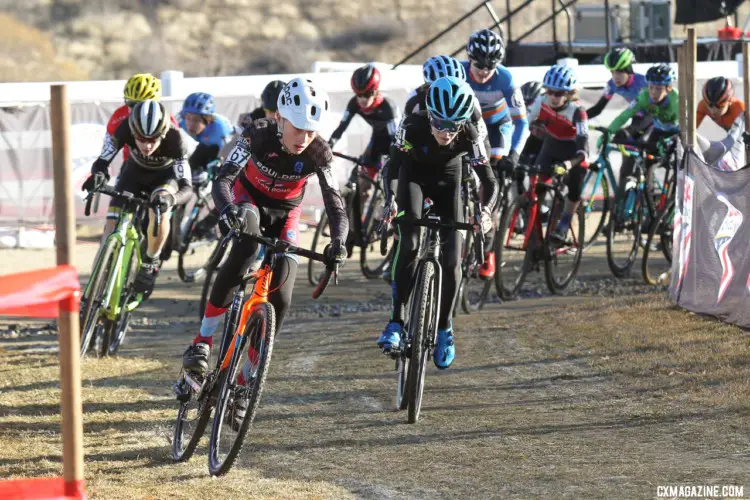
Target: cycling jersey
562,127
415,101
635,84
501,102
217,132
665,114
121,114
383,116
729,153
276,179
728,119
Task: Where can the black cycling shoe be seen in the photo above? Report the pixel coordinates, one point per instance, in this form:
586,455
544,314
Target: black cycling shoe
237,407
195,358
144,282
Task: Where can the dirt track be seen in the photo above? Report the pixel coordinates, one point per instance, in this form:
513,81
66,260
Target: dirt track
602,395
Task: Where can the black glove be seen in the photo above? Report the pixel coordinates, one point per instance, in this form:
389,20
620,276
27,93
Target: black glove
519,174
164,200
95,181
229,219
508,163
335,252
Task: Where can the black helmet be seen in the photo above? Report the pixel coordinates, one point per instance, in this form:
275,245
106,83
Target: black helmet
530,91
718,91
660,74
486,47
271,94
619,59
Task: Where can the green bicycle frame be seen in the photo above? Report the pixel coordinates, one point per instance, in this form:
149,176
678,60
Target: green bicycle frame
605,168
127,241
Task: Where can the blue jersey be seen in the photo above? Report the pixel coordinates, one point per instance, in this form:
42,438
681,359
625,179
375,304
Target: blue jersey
501,101
629,91
216,133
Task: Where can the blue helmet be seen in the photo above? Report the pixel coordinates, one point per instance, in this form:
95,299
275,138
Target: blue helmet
450,98
660,74
199,103
440,66
560,78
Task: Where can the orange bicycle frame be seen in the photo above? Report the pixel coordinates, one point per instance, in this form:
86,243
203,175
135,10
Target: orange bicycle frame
261,290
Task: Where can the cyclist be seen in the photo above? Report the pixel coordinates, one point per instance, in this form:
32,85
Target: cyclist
259,191
138,88
728,112
502,104
562,119
157,164
380,112
267,109
625,83
432,69
426,157
660,101
531,92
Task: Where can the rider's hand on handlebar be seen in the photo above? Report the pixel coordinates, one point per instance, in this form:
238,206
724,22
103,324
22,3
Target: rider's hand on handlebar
164,200
95,181
229,219
560,168
508,163
335,252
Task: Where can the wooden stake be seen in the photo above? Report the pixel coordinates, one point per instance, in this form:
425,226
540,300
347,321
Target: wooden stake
682,89
70,369
746,85
690,57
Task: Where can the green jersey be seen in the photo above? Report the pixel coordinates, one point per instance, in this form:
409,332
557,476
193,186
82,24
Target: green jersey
666,114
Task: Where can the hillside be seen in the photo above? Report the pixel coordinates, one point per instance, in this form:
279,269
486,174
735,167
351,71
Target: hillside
98,39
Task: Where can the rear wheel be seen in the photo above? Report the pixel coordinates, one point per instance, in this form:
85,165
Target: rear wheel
513,261
371,261
624,232
421,323
657,252
596,205
563,260
227,433
473,289
91,322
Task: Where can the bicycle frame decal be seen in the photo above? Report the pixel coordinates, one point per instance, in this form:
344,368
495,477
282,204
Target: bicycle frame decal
259,296
724,236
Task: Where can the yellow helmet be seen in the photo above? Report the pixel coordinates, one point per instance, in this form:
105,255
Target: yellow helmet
142,86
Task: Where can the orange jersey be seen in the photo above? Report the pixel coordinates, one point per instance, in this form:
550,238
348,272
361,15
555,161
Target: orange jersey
736,109
118,117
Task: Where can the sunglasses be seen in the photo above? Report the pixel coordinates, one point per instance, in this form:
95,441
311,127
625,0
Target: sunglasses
146,140
445,125
479,65
367,95
556,93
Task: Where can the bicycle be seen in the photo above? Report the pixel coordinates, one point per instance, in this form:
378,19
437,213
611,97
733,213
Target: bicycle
603,177
363,231
420,330
109,297
248,328
195,245
521,230
628,217
472,299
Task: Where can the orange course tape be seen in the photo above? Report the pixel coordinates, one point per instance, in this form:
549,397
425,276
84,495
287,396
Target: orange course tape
41,293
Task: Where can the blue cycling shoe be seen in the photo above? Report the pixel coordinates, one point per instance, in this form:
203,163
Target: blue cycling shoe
391,337
445,351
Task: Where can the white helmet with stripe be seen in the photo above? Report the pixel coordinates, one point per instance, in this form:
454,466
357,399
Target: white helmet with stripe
149,119
303,104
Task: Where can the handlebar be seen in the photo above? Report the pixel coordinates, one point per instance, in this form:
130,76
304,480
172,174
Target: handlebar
127,197
347,157
280,246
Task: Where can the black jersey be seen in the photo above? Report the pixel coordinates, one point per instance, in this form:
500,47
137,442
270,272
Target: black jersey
383,116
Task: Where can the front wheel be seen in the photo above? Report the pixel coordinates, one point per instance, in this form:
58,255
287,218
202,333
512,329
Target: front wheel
128,296
513,254
656,264
91,323
422,326
192,419
624,233
242,386
564,258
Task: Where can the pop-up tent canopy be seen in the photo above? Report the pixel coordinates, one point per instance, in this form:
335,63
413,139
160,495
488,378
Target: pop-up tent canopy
703,11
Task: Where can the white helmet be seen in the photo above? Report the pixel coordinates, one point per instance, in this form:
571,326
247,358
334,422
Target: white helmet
302,104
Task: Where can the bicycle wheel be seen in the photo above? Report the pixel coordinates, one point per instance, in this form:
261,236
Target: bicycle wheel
473,289
624,232
660,183
595,201
192,419
422,329
226,436
563,260
321,238
93,295
513,260
210,277
370,260
656,265
195,250
120,327
402,389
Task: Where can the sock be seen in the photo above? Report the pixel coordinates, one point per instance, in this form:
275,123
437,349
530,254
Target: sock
151,256
210,323
565,219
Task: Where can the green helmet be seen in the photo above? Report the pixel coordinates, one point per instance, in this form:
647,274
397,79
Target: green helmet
619,59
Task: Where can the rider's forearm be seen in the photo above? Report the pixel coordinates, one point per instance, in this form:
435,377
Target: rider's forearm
334,205
490,186
597,108
222,187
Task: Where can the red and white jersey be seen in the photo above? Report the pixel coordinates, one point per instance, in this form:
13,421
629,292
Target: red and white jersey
568,124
